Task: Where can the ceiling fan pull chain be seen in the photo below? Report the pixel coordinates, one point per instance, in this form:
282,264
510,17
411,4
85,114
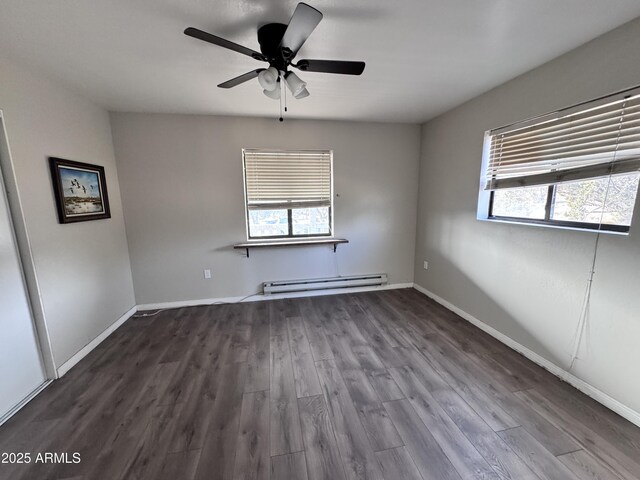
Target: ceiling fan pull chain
280,86
285,97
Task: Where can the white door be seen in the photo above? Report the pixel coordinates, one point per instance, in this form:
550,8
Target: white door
21,370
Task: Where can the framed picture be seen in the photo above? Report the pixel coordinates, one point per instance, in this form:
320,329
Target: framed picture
80,190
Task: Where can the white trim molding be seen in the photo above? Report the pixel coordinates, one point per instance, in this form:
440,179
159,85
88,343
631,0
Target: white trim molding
586,388
69,364
258,297
25,252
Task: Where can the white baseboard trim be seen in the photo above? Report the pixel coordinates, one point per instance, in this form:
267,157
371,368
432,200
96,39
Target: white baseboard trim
260,297
586,388
66,366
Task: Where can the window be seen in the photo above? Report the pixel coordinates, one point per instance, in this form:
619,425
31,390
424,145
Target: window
288,194
575,168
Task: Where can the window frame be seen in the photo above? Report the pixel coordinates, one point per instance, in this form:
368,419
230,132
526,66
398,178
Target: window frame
550,222
290,235
486,197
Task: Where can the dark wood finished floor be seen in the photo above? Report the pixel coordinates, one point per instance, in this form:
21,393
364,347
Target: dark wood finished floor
383,385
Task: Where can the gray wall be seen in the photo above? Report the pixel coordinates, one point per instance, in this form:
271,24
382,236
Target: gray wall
529,282
82,269
182,189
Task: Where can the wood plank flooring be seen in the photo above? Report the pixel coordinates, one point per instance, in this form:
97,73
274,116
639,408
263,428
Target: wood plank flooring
383,385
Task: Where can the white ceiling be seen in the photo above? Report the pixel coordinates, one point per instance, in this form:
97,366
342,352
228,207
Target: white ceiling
423,56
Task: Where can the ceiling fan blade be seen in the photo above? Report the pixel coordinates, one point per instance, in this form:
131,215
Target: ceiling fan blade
221,42
304,20
331,66
234,82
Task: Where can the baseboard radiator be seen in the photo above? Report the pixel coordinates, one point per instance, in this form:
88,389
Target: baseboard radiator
331,283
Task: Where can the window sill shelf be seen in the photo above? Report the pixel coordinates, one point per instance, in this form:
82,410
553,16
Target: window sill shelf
290,243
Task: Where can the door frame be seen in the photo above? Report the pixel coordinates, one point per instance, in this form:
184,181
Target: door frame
25,254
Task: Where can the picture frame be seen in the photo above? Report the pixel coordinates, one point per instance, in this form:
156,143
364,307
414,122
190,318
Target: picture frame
80,190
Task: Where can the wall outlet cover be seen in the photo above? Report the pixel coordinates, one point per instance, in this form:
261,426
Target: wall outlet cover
425,264
207,273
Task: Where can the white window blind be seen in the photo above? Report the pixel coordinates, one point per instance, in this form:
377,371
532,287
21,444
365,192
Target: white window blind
275,180
591,140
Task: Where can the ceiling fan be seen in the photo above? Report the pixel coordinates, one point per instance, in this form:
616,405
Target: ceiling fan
279,45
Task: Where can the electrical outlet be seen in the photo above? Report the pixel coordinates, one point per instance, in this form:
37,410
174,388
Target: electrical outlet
425,264
207,273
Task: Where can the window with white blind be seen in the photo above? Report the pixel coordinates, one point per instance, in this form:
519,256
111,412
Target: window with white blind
288,193
576,168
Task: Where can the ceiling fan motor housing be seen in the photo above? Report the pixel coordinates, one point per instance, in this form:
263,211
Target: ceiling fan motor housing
269,38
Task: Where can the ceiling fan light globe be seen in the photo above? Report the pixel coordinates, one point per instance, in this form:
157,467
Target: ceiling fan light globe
296,84
303,94
274,94
268,78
